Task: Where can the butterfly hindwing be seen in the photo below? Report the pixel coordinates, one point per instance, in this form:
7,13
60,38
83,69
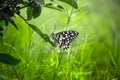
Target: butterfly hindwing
64,38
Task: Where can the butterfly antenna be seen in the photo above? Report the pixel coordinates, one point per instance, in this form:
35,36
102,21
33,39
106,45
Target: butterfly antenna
54,28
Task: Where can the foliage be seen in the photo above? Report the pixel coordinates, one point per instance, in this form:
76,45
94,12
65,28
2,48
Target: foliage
8,9
8,59
94,54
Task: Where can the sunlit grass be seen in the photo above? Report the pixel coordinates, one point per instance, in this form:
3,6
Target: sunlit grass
93,55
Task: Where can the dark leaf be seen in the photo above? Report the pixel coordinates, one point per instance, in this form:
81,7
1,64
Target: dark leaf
37,7
55,6
13,23
8,59
44,36
29,0
73,3
36,11
1,34
29,13
6,23
1,29
1,38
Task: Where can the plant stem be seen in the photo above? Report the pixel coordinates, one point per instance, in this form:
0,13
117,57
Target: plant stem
15,72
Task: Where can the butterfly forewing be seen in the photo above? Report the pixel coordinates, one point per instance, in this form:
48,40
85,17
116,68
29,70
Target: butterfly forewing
64,38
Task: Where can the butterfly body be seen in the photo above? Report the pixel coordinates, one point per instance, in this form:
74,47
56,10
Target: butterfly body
64,38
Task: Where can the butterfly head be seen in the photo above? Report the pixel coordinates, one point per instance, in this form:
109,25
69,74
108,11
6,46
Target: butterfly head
54,38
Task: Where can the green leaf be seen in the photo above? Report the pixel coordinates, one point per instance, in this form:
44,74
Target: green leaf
44,36
37,7
29,13
73,3
55,6
8,59
36,11
13,23
37,30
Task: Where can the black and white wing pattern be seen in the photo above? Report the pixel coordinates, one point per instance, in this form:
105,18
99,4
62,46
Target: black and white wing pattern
64,38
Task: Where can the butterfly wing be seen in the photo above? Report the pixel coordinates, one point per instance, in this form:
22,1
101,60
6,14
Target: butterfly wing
65,38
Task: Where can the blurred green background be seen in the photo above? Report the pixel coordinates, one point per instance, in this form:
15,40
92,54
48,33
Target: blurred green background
93,55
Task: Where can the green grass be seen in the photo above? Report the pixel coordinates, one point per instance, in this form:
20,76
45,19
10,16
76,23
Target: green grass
94,54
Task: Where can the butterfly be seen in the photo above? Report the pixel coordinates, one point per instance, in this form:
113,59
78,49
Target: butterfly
64,38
